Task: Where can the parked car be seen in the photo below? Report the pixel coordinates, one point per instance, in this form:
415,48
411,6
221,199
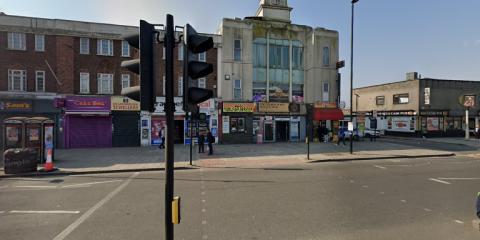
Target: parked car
348,134
372,132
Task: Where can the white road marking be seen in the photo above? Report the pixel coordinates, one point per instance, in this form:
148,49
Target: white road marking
46,212
204,222
351,181
203,210
403,201
79,185
36,186
6,186
203,200
382,193
2,211
364,186
458,221
439,181
459,178
378,166
90,211
203,193
427,209
89,183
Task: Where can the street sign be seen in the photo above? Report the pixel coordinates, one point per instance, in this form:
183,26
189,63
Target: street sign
469,101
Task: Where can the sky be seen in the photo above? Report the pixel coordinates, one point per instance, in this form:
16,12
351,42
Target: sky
436,38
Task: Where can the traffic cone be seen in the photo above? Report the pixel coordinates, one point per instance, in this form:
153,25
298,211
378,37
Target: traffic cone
48,166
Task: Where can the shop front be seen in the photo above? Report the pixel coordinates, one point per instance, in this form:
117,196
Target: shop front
434,122
28,108
197,127
326,119
125,122
159,121
279,122
87,122
400,123
237,122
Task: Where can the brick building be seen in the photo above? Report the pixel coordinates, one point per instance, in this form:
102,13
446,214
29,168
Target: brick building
76,67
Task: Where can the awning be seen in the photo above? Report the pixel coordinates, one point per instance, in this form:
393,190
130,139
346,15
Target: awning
327,114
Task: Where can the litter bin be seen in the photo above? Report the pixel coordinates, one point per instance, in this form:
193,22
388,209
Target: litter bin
20,160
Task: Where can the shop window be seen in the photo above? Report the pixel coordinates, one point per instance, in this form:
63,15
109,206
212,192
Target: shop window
380,100
401,98
237,125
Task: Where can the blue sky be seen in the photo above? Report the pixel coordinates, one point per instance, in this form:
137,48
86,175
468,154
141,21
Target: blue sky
437,38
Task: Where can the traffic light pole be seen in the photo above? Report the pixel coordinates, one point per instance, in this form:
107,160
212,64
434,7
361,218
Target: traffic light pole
191,137
169,44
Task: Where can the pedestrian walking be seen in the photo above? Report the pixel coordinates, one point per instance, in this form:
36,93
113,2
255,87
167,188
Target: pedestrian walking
341,136
162,137
210,140
373,136
201,143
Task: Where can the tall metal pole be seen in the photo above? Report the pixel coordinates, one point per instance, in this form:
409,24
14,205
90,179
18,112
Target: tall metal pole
308,139
191,137
351,76
169,111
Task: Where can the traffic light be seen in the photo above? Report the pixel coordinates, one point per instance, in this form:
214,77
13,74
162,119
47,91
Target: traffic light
144,42
194,69
340,64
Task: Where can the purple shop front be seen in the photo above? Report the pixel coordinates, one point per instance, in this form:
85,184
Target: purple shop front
88,123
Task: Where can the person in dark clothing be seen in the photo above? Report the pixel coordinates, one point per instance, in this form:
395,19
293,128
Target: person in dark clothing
201,144
341,136
319,133
210,140
162,136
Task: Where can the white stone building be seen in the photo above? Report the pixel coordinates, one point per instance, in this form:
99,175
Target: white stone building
267,58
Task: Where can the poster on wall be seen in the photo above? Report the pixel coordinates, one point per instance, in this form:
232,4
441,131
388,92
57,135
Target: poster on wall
12,134
226,124
33,134
400,124
156,128
433,124
48,140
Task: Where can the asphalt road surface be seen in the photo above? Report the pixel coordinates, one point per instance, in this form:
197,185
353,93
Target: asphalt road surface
390,199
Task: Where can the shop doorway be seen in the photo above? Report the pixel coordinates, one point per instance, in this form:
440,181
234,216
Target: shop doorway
282,131
179,131
269,132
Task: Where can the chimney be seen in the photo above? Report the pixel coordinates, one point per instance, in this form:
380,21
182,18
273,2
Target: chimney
412,76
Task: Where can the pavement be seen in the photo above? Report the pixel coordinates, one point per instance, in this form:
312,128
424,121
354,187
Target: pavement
81,161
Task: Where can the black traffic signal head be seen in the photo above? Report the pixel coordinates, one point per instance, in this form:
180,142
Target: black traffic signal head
340,64
144,41
194,69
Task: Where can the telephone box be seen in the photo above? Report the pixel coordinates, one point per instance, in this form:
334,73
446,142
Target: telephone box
35,132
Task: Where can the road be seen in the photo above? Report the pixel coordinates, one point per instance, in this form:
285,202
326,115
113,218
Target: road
430,198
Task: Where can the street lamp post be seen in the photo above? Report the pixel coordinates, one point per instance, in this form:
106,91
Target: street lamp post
351,75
